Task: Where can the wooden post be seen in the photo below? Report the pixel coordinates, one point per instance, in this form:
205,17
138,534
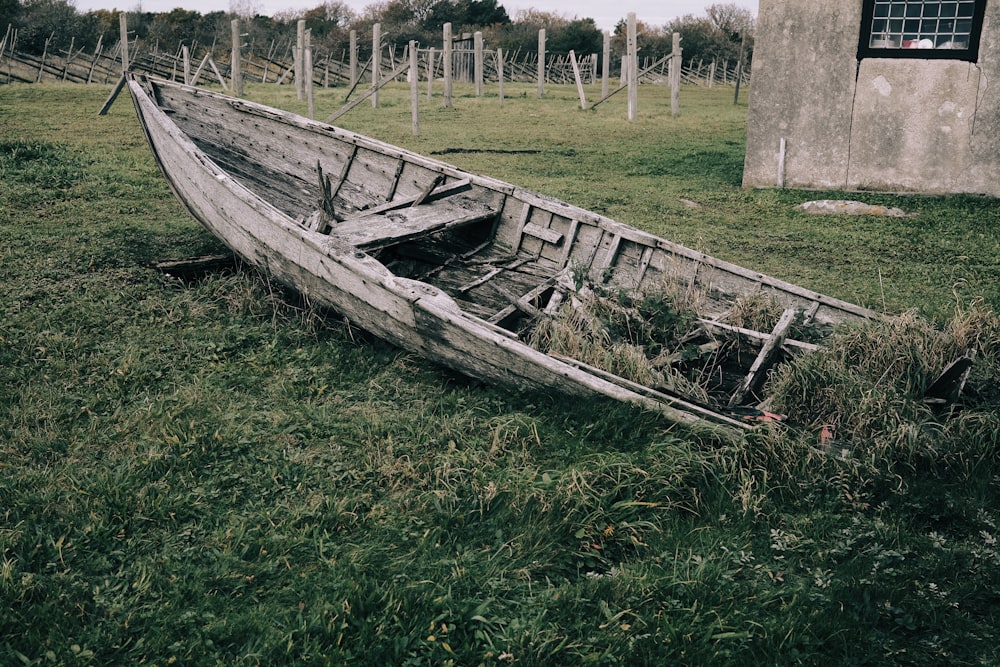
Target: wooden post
711,74
782,147
606,65
446,65
45,52
414,89
123,30
186,57
236,67
298,57
478,62
307,66
739,70
376,62
675,76
541,63
354,58
430,72
633,66
93,63
500,75
579,81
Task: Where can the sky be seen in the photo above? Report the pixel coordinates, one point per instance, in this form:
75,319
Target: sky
606,13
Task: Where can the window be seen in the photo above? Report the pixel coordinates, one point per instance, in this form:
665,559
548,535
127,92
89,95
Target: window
921,29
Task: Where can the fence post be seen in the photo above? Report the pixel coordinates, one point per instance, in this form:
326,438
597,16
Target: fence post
300,43
633,67
376,61
446,65
579,81
739,70
414,90
354,58
675,76
123,29
500,75
606,64
478,62
541,63
307,65
430,72
236,68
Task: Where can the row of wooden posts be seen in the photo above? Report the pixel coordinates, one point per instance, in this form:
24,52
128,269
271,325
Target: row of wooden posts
434,63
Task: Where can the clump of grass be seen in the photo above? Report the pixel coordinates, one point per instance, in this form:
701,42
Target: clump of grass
755,311
637,337
870,381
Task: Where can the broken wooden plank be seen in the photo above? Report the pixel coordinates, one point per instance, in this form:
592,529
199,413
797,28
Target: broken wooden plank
522,303
948,386
544,233
194,267
427,196
113,96
372,231
492,273
750,333
765,358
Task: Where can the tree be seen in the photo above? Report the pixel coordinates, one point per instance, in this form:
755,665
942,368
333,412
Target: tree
41,19
730,19
579,35
10,10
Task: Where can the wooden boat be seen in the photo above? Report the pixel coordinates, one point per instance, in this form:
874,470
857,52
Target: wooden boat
462,268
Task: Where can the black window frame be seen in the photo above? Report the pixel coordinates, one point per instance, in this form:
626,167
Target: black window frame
971,54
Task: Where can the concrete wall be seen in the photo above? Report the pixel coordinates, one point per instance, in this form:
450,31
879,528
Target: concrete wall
929,126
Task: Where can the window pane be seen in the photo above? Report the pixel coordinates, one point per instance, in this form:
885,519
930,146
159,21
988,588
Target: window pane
922,24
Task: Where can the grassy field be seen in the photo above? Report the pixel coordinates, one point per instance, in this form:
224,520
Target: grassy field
215,473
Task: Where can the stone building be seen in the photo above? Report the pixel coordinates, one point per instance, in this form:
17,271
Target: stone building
883,95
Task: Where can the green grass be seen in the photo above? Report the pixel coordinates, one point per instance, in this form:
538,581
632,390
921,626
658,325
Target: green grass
215,473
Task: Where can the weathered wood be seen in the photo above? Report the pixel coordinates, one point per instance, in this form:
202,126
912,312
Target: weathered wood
430,268
378,230
948,386
765,359
115,92
579,81
195,267
544,233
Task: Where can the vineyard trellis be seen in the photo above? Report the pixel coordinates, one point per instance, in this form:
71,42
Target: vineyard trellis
275,64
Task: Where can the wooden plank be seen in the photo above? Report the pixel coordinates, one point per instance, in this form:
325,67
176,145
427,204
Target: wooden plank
544,233
113,96
602,272
522,303
492,273
378,230
521,224
765,358
574,226
673,401
640,273
428,195
395,179
946,389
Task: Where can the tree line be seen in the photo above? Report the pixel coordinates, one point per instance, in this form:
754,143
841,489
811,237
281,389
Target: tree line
56,24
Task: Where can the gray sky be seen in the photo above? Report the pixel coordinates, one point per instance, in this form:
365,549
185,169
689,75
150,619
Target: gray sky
605,13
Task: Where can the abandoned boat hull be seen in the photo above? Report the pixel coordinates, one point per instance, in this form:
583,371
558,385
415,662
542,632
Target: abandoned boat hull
228,161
